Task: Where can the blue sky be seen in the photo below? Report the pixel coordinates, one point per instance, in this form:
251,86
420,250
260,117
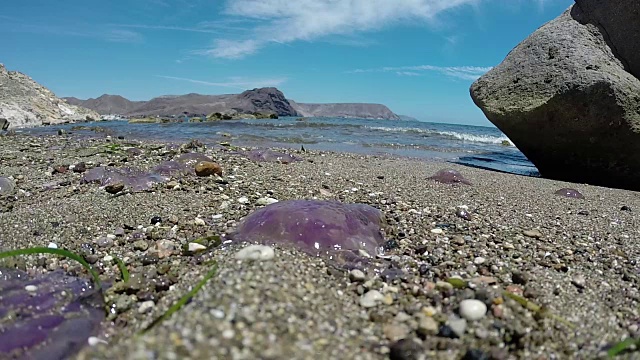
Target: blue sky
418,57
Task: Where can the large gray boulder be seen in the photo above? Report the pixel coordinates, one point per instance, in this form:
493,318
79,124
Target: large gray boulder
567,96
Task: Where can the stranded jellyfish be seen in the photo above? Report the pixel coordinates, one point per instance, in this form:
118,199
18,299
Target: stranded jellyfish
266,155
571,193
449,176
317,227
46,317
133,179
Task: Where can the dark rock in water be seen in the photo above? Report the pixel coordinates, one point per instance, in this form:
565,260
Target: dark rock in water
449,176
571,193
47,317
567,96
266,155
316,227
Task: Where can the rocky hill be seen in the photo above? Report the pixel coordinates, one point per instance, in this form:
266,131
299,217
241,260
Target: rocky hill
24,102
263,100
346,110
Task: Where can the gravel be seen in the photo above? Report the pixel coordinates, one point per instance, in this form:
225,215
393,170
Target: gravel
576,258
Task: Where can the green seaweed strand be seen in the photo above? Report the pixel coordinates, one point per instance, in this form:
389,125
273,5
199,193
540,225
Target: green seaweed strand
123,269
61,252
184,299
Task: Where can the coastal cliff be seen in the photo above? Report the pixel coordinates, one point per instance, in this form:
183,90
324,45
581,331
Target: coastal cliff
24,102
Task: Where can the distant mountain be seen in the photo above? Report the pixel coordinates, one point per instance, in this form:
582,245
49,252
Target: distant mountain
106,104
347,110
24,102
264,100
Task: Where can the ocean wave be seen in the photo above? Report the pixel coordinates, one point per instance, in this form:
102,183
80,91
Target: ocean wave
487,139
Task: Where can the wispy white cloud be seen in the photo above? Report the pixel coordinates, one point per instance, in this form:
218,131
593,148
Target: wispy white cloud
120,35
112,35
408,73
166,27
285,21
459,72
232,82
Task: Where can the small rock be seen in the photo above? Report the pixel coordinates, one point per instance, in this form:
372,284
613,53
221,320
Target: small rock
114,188
463,214
156,220
356,275
118,232
146,307
579,281
140,245
625,208
243,200
105,242
266,201
472,309
533,233
475,354
479,260
256,252
208,168
427,325
371,299
395,332
406,349
458,326
79,167
52,245
31,288
519,278
195,247
437,231
200,222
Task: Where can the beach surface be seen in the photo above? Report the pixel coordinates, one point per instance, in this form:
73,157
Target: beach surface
574,258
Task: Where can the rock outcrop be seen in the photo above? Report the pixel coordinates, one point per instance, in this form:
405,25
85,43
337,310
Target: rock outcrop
263,101
24,102
346,110
568,96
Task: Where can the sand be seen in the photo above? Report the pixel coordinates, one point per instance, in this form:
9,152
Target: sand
575,257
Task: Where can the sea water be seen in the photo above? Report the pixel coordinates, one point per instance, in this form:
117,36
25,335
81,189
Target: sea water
477,146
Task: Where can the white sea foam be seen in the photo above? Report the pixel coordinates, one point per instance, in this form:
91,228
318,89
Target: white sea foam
489,139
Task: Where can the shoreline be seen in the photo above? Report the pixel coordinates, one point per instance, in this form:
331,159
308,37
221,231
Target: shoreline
580,263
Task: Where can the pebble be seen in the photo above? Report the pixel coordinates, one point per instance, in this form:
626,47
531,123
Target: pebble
105,242
437,231
52,245
207,168
395,332
31,288
427,325
472,309
579,281
140,245
114,188
198,221
458,326
243,200
256,252
146,306
107,258
156,220
266,201
195,247
533,233
356,275
371,299
479,260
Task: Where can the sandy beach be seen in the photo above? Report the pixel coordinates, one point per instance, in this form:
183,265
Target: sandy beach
574,257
